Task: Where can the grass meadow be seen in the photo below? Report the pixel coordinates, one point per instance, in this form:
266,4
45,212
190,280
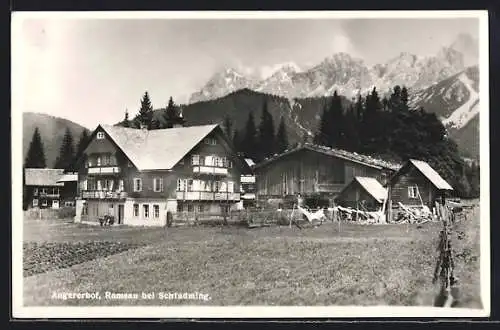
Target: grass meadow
346,264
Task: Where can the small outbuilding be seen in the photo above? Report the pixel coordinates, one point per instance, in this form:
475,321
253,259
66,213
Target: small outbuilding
417,184
364,193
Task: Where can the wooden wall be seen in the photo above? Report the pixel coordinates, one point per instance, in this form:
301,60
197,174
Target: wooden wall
412,177
307,171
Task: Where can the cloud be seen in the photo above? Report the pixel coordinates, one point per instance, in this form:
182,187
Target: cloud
342,43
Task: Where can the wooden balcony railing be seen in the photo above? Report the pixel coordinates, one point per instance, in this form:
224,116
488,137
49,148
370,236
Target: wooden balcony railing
104,170
101,194
210,170
207,196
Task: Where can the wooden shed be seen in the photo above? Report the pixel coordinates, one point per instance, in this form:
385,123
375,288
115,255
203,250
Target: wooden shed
311,169
417,183
364,193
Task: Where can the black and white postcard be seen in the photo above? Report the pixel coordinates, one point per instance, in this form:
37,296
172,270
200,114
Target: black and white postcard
250,164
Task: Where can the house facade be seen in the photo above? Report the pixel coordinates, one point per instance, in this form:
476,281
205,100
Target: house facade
311,169
417,184
41,188
248,186
137,175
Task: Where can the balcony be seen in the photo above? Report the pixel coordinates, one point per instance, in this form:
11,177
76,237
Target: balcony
47,195
210,170
207,196
104,170
100,194
247,179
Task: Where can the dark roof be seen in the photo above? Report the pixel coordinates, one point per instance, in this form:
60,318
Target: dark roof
339,153
43,176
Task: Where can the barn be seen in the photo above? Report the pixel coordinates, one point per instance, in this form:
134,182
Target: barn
417,184
363,193
310,169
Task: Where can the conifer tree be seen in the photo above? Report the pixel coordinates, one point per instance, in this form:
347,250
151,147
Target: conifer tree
322,137
266,140
236,141
35,158
249,143
82,143
228,127
145,116
170,113
281,137
66,153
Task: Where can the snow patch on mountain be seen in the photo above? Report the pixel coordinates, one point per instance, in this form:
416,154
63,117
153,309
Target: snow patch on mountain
461,116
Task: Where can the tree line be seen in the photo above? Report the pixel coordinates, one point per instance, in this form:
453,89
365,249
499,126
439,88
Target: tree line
387,127
259,142
172,115
68,153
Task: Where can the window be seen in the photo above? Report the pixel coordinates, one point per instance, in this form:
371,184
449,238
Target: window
190,208
100,135
201,208
136,210
35,202
43,191
190,185
195,160
90,162
413,192
98,160
35,191
156,211
158,184
181,184
137,184
145,210
210,141
179,207
230,186
121,186
44,202
209,161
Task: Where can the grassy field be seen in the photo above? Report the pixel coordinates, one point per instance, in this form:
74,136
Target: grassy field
351,265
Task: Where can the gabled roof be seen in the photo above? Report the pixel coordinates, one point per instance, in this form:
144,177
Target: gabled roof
158,149
43,176
373,187
431,174
339,153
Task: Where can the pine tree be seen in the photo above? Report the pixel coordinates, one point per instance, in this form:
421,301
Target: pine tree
404,99
35,158
281,137
170,113
337,134
82,144
145,116
66,153
322,137
249,143
236,141
228,127
266,140
126,121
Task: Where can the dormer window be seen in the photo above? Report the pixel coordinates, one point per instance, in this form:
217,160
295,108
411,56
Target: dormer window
100,135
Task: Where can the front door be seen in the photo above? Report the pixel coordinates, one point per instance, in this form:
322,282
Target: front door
120,213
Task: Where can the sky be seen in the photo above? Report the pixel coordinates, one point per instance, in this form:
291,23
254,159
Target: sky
91,70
